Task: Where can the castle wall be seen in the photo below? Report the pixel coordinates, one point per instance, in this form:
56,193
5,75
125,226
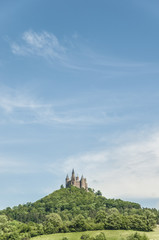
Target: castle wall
77,184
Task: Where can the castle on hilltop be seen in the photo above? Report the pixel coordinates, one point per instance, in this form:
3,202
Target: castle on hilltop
74,181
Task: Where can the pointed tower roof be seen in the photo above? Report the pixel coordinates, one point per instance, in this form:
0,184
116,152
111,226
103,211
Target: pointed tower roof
73,171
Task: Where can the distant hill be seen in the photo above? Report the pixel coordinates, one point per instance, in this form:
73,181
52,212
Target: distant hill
73,209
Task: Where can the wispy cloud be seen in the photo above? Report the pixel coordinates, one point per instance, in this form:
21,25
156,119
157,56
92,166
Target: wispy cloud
39,44
128,170
71,54
18,107
92,108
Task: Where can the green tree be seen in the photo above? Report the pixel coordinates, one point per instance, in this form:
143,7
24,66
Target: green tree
79,223
98,193
150,219
114,219
101,216
53,223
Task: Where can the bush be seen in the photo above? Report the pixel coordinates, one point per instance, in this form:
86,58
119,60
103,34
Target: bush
85,237
137,236
64,238
100,236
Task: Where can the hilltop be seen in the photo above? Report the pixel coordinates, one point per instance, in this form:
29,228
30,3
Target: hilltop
73,209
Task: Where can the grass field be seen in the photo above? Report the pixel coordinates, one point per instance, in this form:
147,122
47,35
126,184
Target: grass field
110,235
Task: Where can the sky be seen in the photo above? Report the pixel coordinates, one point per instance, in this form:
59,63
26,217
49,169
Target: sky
79,88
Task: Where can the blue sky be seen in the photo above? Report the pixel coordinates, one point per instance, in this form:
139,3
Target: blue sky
79,89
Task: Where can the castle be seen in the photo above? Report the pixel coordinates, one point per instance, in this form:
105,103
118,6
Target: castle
74,181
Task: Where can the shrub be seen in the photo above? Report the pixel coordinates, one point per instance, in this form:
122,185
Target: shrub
100,236
137,236
85,237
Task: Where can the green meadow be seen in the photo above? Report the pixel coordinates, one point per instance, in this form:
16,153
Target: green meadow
110,235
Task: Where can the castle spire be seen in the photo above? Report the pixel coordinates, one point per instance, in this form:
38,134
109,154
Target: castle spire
73,175
67,180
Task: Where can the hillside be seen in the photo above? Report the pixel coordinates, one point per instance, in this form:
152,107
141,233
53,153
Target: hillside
68,203
73,209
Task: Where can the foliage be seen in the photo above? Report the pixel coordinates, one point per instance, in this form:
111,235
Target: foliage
52,223
74,210
98,193
137,236
85,237
100,236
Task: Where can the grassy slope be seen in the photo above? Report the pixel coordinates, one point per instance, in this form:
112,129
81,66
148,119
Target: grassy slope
110,235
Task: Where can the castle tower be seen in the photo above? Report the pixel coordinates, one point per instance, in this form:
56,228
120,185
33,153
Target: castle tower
82,182
67,180
85,184
73,178
77,182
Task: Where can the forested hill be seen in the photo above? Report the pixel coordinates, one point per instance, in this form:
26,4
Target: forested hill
74,209
68,203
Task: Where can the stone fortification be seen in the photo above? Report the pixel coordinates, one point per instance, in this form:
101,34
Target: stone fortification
74,181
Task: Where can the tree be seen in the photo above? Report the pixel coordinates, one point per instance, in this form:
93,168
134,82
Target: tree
150,219
101,216
52,223
79,223
98,193
114,219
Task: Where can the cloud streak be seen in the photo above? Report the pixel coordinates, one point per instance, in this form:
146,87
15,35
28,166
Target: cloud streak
72,55
18,107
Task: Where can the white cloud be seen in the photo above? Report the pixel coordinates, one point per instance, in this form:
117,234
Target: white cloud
129,170
74,55
39,44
